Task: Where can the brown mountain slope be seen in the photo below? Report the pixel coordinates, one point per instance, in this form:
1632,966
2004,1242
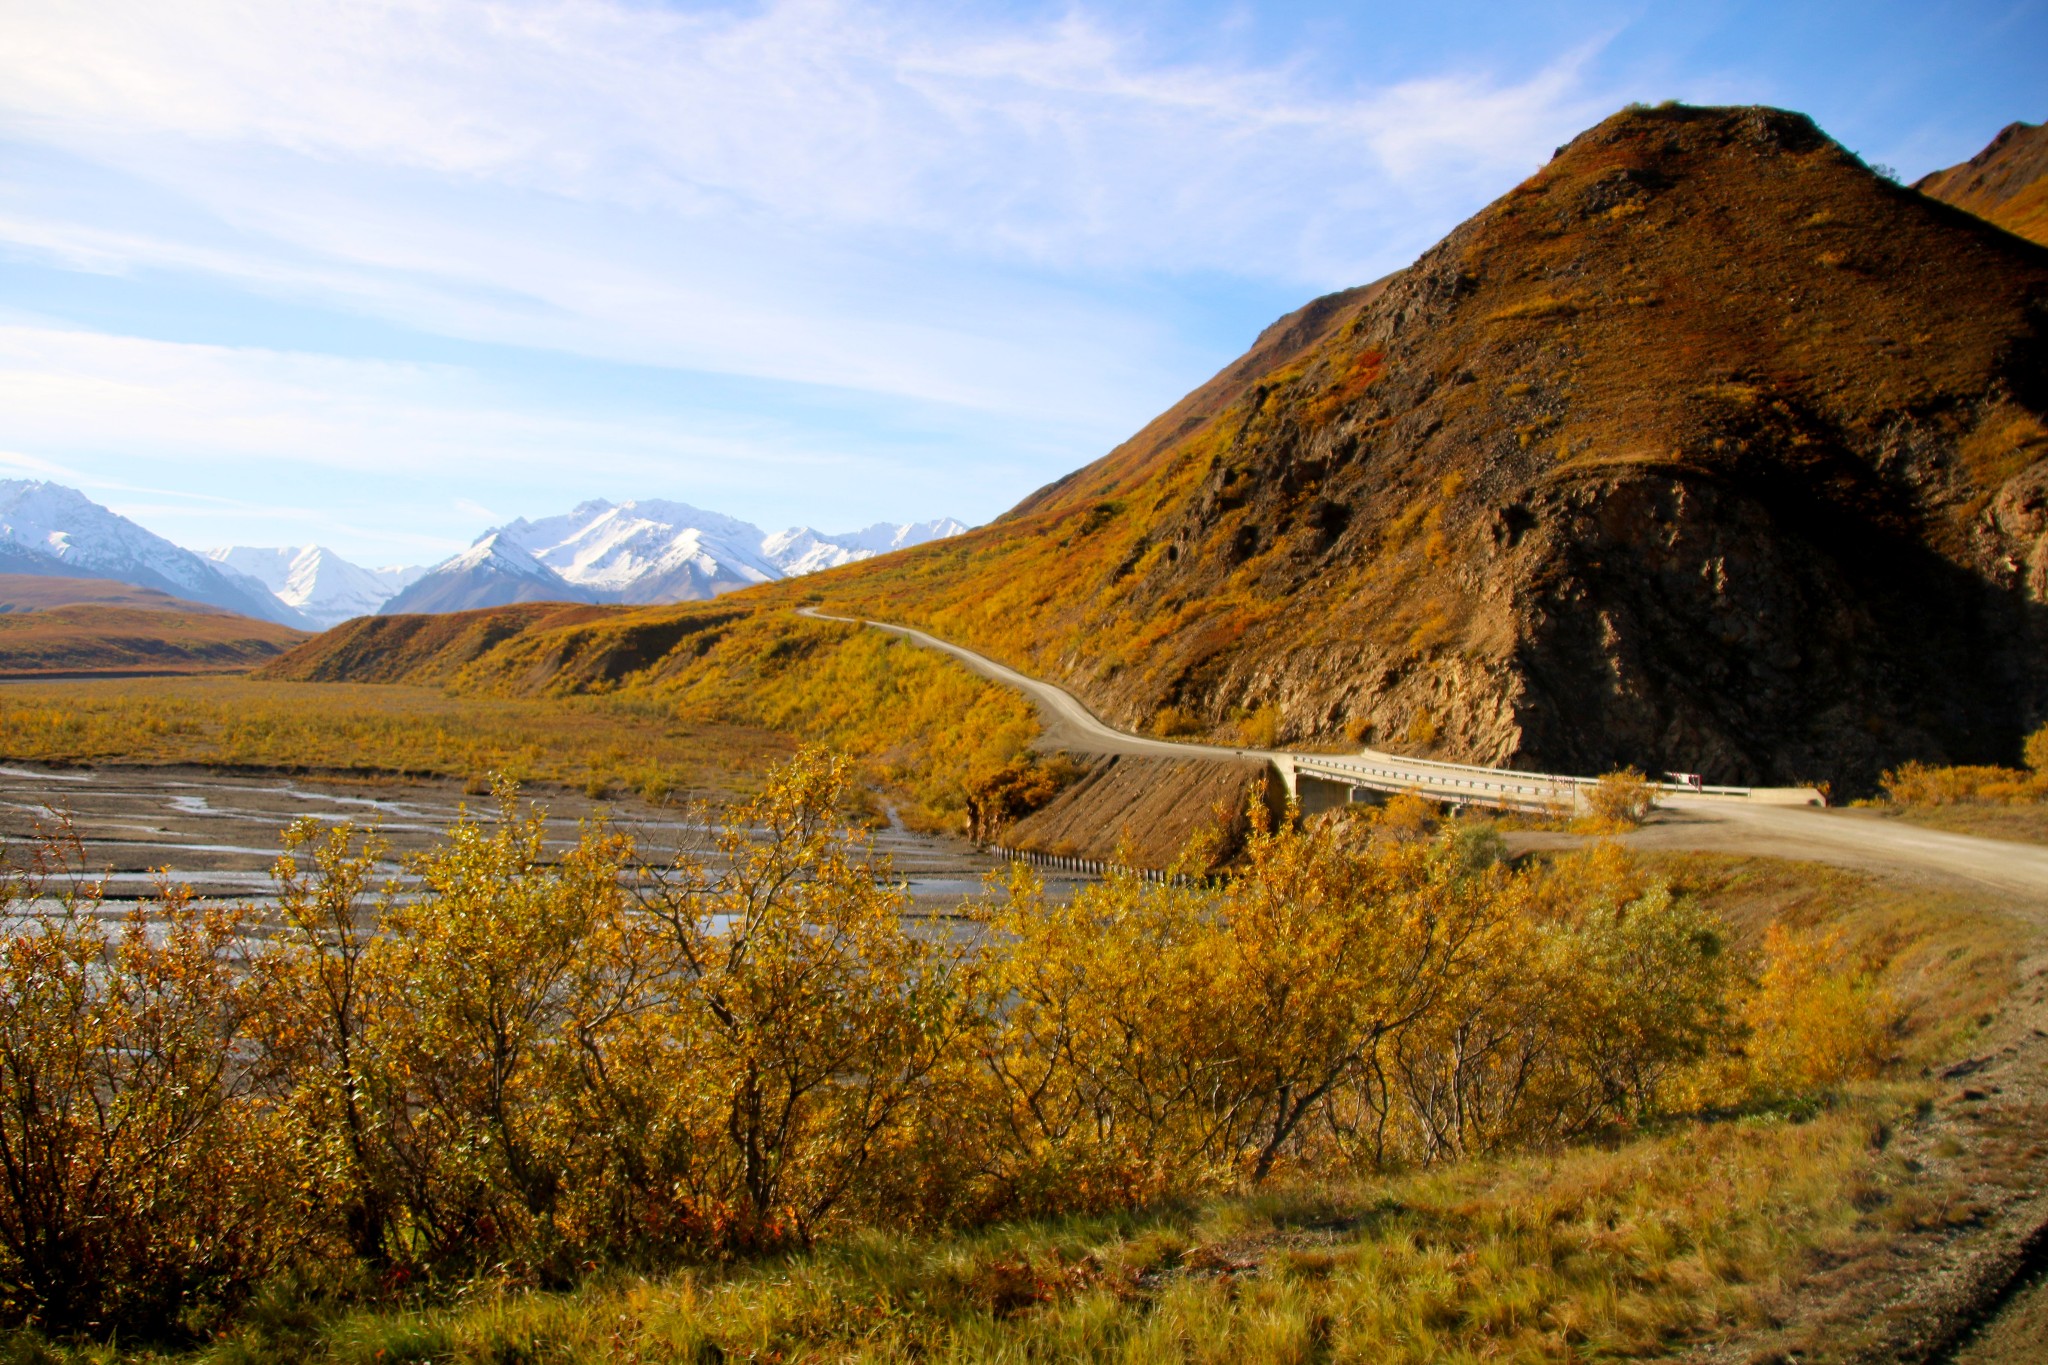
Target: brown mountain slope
118,638
2006,183
420,649
1704,448
37,592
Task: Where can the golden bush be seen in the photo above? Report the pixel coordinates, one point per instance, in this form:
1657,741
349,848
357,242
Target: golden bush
140,1172
1618,802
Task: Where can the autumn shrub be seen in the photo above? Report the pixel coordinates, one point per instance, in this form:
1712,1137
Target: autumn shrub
810,1015
141,1180
1921,784
1405,815
1015,790
1618,802
1814,1019
1259,729
1926,784
1333,1006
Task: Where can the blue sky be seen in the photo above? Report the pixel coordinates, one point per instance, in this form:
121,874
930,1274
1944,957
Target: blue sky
380,274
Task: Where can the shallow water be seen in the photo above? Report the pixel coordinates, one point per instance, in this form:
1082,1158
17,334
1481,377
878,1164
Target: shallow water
219,834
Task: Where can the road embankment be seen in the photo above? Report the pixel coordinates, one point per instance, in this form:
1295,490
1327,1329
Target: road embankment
1144,810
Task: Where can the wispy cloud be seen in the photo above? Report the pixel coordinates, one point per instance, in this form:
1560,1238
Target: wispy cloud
827,136
923,208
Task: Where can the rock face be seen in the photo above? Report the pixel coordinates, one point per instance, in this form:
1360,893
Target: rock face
1705,448
2006,183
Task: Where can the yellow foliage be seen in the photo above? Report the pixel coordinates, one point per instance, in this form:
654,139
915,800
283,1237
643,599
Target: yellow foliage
1814,1020
1406,815
1919,784
1260,729
1618,802
536,1061
141,1172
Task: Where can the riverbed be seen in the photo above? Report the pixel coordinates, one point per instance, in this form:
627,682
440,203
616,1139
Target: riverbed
218,833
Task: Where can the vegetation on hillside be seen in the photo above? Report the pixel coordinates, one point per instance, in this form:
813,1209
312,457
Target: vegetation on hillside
607,743
532,1069
951,747
1573,483
2006,183
107,638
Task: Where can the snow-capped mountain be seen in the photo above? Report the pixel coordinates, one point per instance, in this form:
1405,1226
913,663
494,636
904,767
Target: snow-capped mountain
647,551
318,583
46,528
800,550
494,572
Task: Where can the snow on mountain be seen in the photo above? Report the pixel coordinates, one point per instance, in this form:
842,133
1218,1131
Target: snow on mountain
648,551
318,583
800,550
642,552
494,572
46,528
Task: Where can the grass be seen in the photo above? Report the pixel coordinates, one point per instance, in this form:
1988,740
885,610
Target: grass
1948,958
382,730
927,729
2024,824
1617,1252
103,637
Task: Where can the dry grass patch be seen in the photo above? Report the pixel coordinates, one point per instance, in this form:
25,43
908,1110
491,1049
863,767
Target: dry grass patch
1627,1252
382,729
2024,824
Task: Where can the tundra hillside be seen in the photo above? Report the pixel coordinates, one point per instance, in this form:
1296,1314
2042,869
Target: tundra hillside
1704,447
2006,183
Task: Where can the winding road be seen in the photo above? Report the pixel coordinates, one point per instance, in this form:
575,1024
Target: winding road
1846,838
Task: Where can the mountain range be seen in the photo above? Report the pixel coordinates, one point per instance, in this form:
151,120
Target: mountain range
316,582
49,530
642,552
635,552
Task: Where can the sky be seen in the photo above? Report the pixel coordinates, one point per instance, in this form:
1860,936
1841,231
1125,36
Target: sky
380,274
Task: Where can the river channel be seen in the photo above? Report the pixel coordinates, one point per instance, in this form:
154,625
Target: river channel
219,833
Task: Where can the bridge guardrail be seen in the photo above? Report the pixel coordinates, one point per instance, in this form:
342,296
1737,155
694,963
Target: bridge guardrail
1535,790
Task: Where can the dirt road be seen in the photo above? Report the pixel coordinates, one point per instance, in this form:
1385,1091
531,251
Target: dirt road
1846,838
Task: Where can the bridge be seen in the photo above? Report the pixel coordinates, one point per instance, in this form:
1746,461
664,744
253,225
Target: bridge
1318,782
